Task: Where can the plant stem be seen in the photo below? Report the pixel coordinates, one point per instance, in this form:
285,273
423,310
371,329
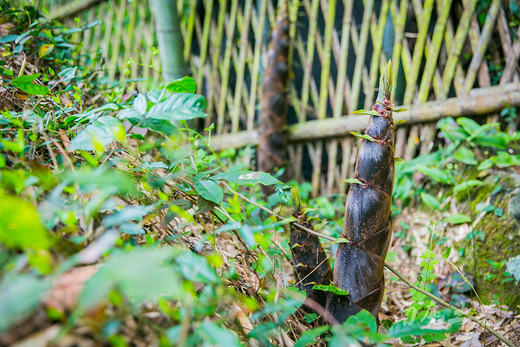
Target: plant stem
447,305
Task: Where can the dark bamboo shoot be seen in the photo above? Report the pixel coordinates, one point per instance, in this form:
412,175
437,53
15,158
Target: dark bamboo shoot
272,146
359,263
310,262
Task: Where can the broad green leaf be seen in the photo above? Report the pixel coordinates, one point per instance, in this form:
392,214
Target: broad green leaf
45,50
25,83
98,135
430,200
464,155
108,181
209,190
469,125
183,85
215,335
444,321
140,104
309,337
442,176
20,225
143,274
177,107
21,295
196,268
457,219
467,184
127,214
248,177
132,229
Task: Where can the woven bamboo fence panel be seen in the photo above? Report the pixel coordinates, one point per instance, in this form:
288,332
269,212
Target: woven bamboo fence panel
442,50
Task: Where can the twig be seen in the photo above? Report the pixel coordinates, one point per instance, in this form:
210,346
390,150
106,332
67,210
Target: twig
447,305
310,231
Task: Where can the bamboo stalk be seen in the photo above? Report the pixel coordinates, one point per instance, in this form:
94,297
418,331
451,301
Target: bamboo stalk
457,44
512,61
224,68
188,34
360,56
479,102
217,41
204,42
482,44
423,22
313,26
378,31
342,68
399,24
259,36
433,51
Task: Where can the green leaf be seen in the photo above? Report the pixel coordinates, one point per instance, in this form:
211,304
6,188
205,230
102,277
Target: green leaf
140,104
132,229
442,176
25,83
366,113
247,177
215,335
98,135
464,155
330,288
130,213
469,125
143,274
21,295
467,184
457,219
363,136
444,321
402,109
309,337
209,190
177,107
431,201
20,225
183,85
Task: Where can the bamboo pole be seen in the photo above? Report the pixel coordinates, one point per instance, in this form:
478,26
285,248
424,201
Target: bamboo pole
224,68
433,51
399,19
236,109
188,34
204,42
482,44
325,76
259,36
457,44
480,101
170,39
360,56
423,23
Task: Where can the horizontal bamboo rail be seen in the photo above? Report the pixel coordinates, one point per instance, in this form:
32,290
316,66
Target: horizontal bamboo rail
480,101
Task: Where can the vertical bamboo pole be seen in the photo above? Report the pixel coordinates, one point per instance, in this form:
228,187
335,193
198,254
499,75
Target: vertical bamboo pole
423,24
457,44
204,42
236,110
377,39
188,35
170,39
313,26
116,43
433,51
259,35
360,56
217,41
224,68
482,44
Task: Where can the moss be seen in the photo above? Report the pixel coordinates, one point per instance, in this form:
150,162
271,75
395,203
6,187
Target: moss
501,242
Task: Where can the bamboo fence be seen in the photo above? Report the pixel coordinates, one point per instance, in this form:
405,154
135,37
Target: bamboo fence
450,58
